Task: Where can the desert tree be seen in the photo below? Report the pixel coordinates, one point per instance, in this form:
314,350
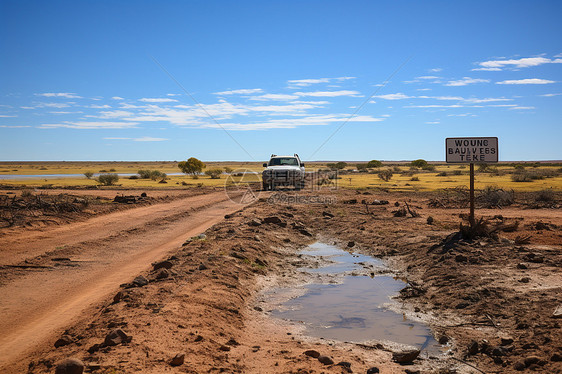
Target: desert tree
192,166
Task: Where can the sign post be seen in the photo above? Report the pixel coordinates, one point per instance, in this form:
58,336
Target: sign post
469,151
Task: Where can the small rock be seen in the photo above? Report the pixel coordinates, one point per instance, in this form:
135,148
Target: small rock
116,337
94,348
255,222
525,280
232,342
198,338
327,214
351,244
521,266
373,370
557,312
344,364
162,274
325,360
178,359
430,220
305,232
203,267
557,357
462,305
519,366
506,340
473,347
531,360
162,265
405,356
312,353
273,219
201,236
461,258
63,340
118,296
140,281
224,348
70,366
443,339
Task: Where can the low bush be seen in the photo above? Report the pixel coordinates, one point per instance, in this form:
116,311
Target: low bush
214,173
546,196
457,172
108,179
89,174
442,174
428,167
385,175
415,179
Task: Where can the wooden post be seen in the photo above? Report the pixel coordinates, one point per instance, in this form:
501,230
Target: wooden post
471,216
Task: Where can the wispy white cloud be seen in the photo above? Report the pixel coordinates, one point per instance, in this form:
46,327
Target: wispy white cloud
283,97
89,125
317,120
298,83
243,91
13,126
551,94
526,81
157,100
116,138
7,116
117,98
465,81
486,69
433,123
518,63
95,106
329,93
67,95
111,114
149,139
65,112
394,96
52,105
435,70
460,115
522,108
436,106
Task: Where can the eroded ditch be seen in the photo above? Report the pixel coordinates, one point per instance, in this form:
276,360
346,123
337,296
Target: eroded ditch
345,296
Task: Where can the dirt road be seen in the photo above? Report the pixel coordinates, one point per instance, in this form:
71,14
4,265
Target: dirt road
104,252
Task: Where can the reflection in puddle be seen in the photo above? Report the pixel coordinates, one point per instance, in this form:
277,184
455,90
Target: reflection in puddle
355,309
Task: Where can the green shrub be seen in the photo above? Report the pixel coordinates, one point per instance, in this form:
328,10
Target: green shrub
89,174
457,172
214,173
144,174
428,167
420,163
415,179
385,175
442,174
192,166
108,179
374,164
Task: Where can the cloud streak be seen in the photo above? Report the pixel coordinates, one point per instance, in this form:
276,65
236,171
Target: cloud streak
526,81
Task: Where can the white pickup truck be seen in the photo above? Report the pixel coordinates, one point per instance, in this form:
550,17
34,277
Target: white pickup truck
283,171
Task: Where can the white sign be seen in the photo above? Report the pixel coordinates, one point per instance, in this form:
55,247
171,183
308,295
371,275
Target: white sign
471,150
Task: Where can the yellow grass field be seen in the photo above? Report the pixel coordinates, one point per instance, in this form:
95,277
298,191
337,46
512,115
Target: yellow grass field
400,181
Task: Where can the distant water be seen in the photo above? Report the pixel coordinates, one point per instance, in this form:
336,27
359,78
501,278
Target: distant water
59,176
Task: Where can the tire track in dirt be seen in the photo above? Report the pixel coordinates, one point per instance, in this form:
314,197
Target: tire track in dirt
106,252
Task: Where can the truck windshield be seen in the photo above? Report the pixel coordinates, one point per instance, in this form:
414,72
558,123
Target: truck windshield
283,161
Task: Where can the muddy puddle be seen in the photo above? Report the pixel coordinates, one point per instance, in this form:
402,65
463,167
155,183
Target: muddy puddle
349,297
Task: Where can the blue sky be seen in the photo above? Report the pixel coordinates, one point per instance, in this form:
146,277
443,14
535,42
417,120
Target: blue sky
124,80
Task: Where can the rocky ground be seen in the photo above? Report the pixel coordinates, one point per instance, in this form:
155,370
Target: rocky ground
492,301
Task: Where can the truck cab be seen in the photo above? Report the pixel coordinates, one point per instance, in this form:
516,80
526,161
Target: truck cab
286,171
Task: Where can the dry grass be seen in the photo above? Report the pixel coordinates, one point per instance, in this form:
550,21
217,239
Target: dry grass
456,175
